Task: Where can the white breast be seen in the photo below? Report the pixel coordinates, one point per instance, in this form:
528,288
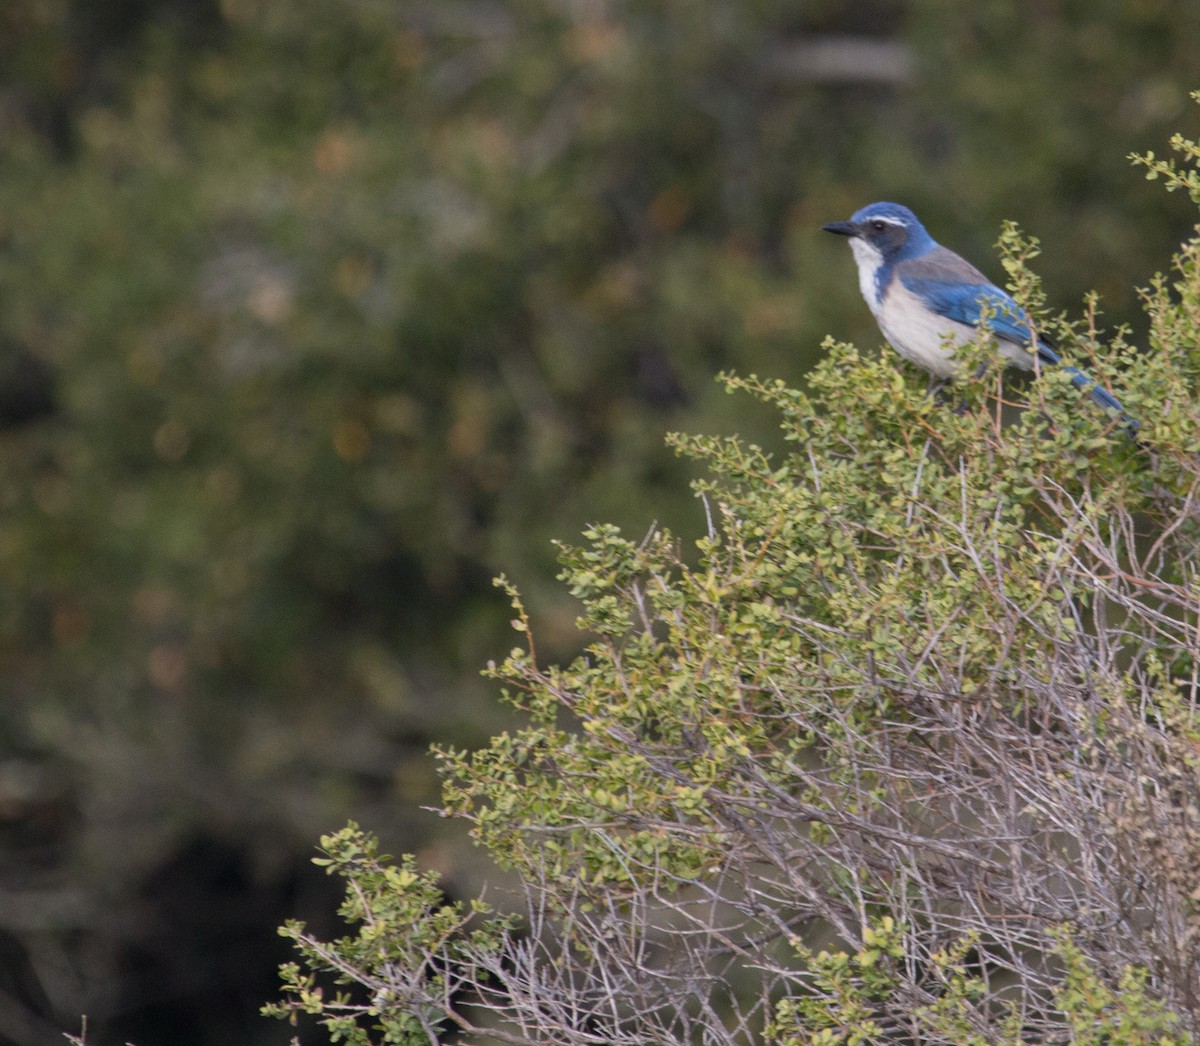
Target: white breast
919,334
868,259
916,332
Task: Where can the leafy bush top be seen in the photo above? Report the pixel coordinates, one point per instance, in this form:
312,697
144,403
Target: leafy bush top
903,749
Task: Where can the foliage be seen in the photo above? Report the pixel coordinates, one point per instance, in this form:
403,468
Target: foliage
924,691
1101,1012
1174,176
421,966
336,309
1019,114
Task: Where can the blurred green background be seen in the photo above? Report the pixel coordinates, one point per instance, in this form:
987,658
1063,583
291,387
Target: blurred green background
314,317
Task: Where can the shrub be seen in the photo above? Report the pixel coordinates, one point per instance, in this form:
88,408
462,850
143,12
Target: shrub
903,749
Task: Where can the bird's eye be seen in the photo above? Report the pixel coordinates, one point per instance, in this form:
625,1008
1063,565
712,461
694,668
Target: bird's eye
878,226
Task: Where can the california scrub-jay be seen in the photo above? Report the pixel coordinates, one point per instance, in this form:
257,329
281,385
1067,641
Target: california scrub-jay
927,300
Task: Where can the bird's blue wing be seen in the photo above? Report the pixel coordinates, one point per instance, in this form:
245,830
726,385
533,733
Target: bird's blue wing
954,288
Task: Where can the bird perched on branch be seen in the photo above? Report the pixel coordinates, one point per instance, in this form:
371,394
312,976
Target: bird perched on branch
927,300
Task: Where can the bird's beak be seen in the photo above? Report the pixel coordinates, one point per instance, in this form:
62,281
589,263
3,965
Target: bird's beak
841,228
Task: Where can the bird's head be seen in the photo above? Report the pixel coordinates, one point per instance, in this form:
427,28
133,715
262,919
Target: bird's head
884,231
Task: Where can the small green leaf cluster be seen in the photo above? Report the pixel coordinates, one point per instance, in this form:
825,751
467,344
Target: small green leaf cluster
1175,176
838,1010
843,993
408,936
1101,1013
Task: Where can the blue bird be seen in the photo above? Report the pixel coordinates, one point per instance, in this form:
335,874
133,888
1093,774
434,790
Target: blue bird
927,300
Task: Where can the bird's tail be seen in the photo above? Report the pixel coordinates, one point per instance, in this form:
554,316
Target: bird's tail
1104,398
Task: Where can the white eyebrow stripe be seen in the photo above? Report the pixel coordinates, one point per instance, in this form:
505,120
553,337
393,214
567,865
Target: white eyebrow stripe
900,222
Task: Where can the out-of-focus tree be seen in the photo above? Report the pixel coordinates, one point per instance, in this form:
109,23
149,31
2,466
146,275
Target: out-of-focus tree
341,311
1028,113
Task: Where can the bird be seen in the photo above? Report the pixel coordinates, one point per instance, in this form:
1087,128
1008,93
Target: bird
927,300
